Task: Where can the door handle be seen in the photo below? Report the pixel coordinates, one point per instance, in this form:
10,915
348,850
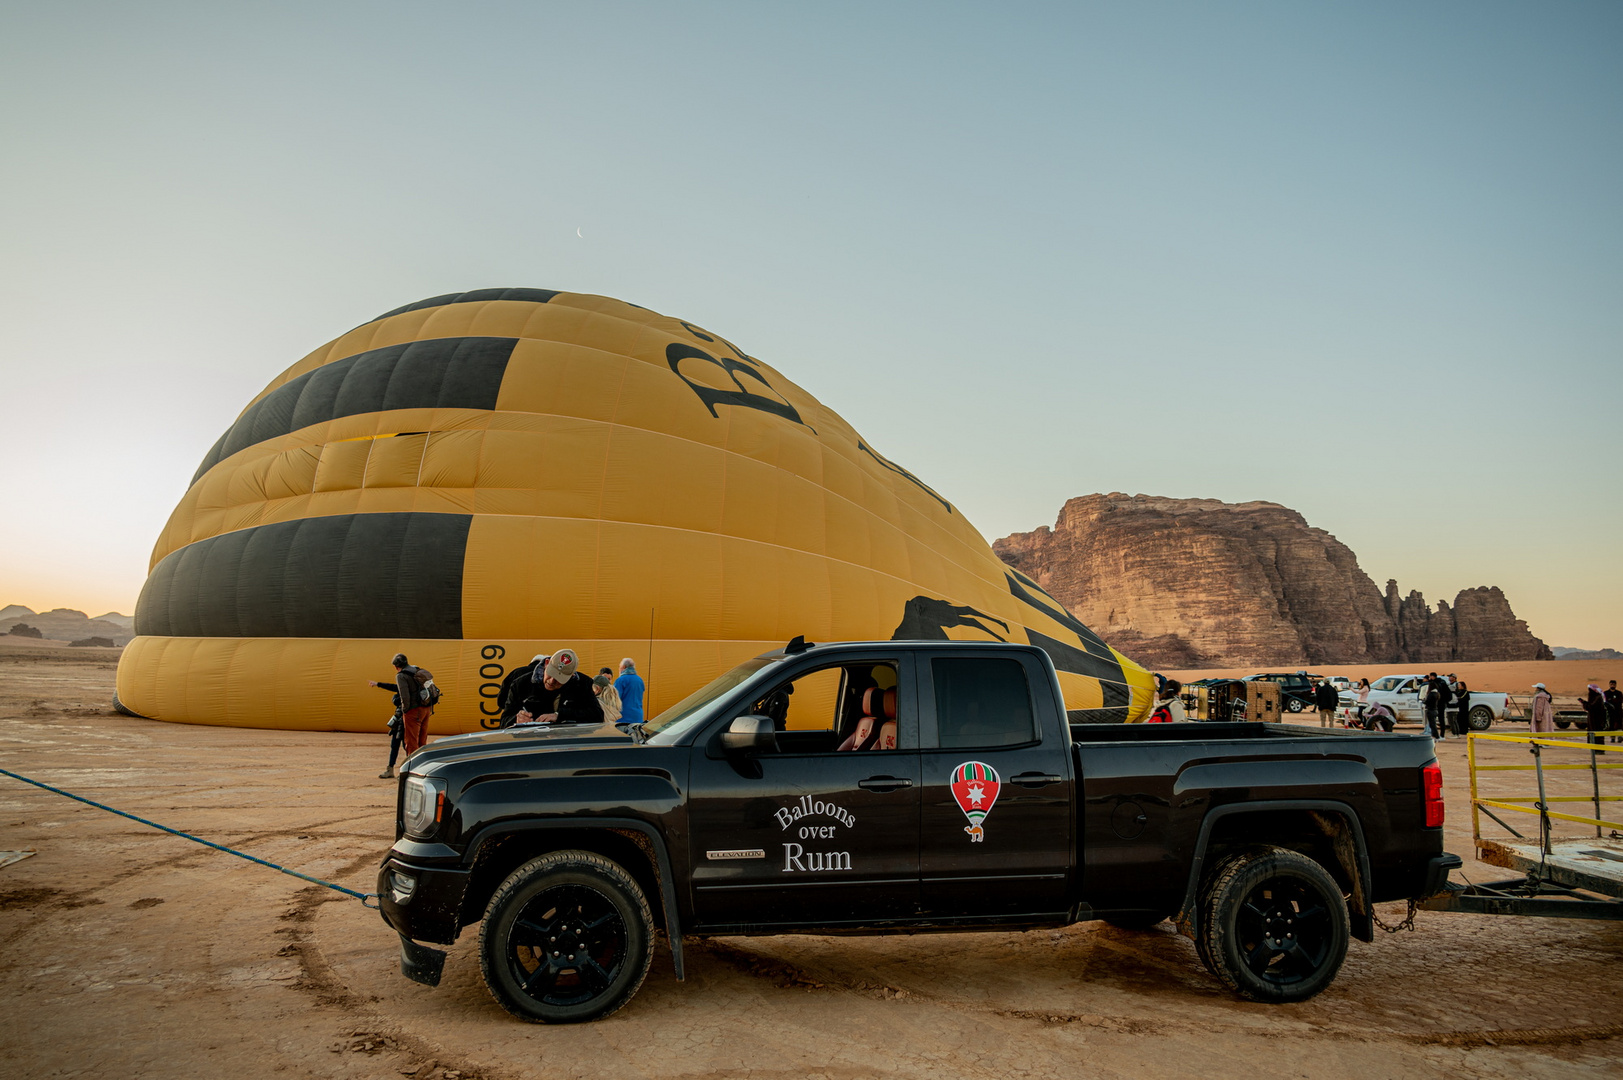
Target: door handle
1035,779
885,783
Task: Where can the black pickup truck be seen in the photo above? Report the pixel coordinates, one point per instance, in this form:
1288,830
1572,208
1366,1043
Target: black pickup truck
900,786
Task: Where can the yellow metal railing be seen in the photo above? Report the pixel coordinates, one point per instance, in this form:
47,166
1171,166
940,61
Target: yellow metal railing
1540,804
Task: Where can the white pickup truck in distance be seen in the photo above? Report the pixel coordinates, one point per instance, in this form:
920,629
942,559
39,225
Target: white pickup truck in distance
1405,696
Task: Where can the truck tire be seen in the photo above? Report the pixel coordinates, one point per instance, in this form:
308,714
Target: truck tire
1140,920
1203,902
1277,926
567,937
1294,704
1480,718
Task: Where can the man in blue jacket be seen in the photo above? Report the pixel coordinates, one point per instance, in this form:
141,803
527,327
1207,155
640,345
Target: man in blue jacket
630,688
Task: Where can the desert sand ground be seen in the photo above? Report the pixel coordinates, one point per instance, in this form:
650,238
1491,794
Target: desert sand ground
130,953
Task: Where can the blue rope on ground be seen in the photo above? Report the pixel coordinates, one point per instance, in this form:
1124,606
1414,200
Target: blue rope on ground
362,897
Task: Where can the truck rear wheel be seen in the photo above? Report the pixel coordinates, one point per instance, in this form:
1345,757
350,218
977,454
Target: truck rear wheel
567,937
1276,926
1480,718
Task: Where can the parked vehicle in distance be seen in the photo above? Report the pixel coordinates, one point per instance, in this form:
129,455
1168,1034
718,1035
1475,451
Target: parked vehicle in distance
900,786
1405,696
1295,688
1340,682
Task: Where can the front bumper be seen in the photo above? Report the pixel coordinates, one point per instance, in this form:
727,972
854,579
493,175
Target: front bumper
421,902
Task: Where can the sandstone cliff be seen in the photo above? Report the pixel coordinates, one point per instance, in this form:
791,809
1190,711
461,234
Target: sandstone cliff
1203,583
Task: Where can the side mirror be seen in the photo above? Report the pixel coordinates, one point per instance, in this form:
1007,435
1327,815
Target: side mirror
750,734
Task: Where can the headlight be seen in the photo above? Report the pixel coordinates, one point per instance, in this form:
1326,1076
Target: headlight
425,804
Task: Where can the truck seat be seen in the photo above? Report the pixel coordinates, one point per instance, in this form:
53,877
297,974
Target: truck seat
877,728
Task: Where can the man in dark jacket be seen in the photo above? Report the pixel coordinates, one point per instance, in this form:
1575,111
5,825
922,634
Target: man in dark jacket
518,685
1326,698
1614,709
1437,696
414,714
564,695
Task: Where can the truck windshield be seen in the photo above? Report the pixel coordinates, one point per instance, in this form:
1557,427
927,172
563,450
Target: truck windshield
694,709
1391,682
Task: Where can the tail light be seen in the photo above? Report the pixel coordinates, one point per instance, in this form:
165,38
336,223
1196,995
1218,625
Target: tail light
1431,791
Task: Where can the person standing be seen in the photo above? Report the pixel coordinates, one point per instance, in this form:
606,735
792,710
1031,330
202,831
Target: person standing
630,688
396,731
1614,709
1169,705
1434,706
608,699
1326,698
1595,709
1462,699
1543,710
414,714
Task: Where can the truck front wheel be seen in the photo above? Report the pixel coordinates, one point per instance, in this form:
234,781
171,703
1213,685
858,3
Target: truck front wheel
567,937
1276,926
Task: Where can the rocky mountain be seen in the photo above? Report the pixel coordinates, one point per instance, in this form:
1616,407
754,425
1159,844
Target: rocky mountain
66,624
1180,583
1585,654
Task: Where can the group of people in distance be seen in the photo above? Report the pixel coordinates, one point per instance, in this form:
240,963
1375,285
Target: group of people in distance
553,690
550,689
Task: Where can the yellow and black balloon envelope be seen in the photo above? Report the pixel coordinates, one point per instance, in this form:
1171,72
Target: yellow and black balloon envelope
484,476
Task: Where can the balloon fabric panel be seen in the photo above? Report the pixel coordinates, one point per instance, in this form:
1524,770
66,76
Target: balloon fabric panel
624,483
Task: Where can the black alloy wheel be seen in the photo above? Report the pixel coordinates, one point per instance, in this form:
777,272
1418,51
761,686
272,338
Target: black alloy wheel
1480,718
1277,926
567,937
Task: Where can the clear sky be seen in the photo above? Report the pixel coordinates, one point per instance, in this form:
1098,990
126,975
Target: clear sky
1360,259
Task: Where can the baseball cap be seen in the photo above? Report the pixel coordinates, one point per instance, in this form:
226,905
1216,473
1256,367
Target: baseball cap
563,665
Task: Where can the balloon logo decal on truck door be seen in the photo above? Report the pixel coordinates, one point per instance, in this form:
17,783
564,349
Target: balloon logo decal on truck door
974,785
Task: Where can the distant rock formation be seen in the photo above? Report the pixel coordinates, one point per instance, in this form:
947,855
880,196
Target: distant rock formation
91,643
1562,653
1185,583
24,630
66,624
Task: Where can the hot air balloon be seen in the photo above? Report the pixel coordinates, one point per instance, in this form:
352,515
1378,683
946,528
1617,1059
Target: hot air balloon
480,477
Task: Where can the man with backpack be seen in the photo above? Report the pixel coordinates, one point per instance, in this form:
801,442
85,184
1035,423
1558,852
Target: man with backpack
418,695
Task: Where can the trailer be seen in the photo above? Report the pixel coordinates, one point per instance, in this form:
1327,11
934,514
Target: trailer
1568,876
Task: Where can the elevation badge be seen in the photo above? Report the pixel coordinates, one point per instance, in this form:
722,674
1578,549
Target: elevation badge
974,785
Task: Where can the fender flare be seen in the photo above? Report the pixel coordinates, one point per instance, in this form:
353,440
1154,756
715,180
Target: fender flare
1187,916
662,862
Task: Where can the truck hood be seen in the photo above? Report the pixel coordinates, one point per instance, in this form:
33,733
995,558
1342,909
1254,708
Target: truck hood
528,738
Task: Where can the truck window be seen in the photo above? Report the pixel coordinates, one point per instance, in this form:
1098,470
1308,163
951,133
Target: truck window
1389,683
982,701
818,710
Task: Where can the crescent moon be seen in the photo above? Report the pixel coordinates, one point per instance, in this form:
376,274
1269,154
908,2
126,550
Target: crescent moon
577,233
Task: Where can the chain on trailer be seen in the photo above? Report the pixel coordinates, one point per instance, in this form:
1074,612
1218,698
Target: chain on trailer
362,897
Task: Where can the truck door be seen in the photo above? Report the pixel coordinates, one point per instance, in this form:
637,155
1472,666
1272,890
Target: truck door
995,816
813,834
1408,705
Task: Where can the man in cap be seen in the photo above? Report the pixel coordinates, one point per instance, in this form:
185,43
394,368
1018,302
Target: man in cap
516,687
563,695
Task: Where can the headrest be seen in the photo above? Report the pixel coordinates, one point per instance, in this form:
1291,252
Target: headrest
879,702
